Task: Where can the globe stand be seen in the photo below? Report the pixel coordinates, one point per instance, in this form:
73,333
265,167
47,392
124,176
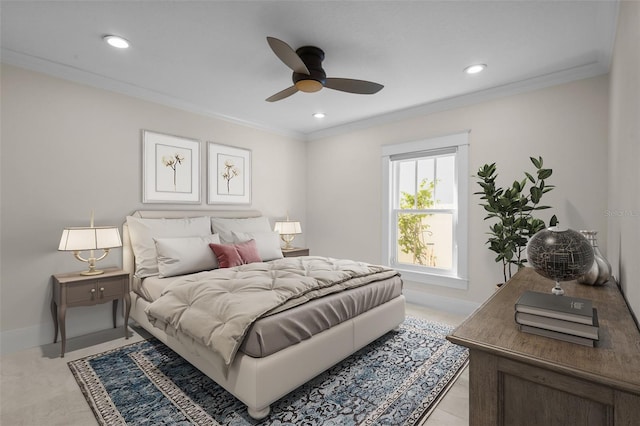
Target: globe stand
557,290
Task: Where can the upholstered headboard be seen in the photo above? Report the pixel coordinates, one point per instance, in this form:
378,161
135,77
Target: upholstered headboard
128,260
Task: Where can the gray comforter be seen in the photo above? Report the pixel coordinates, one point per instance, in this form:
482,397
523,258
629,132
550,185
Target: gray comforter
216,308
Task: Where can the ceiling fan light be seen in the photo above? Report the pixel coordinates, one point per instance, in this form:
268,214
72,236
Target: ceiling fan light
319,115
116,41
475,69
308,86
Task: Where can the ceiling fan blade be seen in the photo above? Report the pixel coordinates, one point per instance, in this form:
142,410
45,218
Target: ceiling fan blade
287,55
353,86
282,94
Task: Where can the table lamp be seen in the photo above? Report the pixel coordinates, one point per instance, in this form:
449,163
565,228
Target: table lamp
288,230
90,238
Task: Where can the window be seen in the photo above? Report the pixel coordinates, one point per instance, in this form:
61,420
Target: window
425,209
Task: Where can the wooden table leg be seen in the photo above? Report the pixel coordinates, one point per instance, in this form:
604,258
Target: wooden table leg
62,312
127,309
54,313
115,310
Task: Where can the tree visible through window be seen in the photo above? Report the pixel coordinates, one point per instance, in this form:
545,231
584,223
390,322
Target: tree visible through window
413,229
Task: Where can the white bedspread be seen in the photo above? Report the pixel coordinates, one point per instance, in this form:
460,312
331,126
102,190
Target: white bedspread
216,308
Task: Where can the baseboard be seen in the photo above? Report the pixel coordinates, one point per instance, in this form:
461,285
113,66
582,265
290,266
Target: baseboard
82,321
443,303
24,338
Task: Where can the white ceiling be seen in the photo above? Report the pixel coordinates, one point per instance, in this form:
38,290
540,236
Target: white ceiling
212,57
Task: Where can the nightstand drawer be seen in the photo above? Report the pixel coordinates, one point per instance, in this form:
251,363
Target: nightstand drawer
81,293
95,291
111,289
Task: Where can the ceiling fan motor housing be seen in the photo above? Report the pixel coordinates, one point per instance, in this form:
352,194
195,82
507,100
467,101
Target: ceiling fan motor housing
312,58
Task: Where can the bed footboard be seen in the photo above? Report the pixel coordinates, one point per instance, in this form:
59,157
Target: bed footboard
258,382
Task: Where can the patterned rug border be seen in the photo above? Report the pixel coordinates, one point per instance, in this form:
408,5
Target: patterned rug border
106,413
451,381
443,393
78,369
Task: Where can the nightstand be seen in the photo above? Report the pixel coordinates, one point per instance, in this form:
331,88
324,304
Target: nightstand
73,289
295,252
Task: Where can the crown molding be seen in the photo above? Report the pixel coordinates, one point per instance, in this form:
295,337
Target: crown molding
592,69
103,82
89,78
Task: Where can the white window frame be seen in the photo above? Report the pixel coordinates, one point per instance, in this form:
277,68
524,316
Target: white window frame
459,277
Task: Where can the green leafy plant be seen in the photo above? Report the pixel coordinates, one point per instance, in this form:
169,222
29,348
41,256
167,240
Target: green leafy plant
412,228
513,208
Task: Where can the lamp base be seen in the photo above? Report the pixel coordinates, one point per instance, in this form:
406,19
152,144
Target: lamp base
92,272
91,261
287,239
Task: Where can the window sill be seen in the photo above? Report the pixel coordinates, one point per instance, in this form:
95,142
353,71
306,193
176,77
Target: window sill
434,279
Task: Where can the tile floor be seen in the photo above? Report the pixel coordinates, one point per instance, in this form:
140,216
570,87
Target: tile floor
37,388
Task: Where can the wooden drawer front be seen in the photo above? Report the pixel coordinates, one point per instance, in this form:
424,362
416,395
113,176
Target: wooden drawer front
81,293
109,289
95,291
529,403
538,397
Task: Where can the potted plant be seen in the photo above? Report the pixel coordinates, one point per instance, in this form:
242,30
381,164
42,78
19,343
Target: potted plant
512,209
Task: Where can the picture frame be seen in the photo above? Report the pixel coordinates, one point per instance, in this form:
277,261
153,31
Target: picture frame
170,169
228,174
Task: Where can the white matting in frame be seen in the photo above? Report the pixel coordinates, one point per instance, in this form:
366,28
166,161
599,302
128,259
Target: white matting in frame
171,169
229,174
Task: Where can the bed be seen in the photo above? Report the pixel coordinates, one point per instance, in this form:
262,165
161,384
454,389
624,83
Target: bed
258,370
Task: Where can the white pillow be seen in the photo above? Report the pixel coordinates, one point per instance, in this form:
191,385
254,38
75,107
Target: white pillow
143,231
186,255
267,243
226,226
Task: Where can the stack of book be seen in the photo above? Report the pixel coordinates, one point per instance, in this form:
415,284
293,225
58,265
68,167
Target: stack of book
561,317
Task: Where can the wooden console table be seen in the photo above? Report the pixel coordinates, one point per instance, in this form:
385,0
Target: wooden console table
517,378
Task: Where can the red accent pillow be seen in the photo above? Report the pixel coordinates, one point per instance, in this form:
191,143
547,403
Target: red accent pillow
236,254
248,251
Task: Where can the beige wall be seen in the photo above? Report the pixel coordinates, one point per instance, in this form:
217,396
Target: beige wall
623,207
68,149
566,125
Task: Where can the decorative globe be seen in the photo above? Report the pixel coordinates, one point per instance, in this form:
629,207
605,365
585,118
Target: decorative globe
560,254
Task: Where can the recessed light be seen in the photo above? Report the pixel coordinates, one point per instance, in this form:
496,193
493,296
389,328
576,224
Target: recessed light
475,69
116,41
319,115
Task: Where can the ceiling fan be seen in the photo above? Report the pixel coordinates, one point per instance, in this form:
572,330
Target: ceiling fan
308,75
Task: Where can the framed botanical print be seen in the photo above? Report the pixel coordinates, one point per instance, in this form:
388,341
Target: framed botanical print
228,174
171,169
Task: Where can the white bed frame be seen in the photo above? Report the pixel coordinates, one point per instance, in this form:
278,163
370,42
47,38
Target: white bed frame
258,382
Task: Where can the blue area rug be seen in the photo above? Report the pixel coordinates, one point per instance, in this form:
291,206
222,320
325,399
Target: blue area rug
395,380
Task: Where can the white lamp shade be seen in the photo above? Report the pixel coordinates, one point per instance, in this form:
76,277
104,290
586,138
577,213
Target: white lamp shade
90,238
288,228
